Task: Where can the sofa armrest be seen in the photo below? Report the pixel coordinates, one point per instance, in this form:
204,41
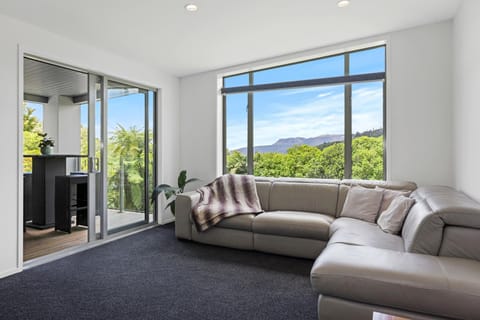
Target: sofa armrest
183,211
454,207
439,286
438,207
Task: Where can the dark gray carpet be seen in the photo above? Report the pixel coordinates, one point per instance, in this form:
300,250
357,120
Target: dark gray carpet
152,275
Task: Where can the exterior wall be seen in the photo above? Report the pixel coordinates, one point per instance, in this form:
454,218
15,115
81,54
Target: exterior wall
50,119
68,126
419,94
466,110
17,37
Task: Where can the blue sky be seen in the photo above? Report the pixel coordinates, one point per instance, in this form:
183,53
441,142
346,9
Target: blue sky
37,110
306,112
301,112
127,110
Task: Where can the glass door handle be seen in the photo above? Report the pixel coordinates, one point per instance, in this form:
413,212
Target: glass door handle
93,165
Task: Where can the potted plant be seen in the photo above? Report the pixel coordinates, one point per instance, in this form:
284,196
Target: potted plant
171,192
46,143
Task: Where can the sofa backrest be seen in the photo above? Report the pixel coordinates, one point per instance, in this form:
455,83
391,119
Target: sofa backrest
325,196
290,194
444,222
263,191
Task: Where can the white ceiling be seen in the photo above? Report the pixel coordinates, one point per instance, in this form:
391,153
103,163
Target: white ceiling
222,32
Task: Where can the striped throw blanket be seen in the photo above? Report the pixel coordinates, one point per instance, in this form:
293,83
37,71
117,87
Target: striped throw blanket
226,196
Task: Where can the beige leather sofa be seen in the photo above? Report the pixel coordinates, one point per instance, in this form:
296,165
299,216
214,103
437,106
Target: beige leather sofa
430,271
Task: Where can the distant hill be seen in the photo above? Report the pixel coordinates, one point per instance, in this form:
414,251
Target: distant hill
282,145
370,133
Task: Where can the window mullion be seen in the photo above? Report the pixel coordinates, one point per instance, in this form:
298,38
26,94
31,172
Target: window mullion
348,122
224,131
250,148
384,130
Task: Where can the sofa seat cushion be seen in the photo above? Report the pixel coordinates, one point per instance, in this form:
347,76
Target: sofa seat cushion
440,286
239,222
297,224
362,233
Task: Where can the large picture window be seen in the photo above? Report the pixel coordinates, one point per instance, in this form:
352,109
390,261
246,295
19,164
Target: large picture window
322,118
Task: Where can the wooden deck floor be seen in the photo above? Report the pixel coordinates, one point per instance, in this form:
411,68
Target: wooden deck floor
37,243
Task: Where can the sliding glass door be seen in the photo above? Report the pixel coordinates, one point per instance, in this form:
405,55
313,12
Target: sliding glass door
121,152
98,172
129,142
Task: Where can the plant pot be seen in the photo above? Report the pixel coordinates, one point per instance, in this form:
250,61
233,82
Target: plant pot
46,150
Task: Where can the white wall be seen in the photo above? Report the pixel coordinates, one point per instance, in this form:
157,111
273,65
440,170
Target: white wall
466,87
45,44
419,98
419,105
199,130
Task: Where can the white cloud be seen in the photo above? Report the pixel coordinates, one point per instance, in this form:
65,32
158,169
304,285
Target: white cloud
320,105
314,116
292,92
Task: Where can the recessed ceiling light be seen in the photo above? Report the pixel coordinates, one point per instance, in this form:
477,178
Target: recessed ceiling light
191,7
343,3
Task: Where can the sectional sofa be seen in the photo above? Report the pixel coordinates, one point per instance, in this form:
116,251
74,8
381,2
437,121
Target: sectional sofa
431,270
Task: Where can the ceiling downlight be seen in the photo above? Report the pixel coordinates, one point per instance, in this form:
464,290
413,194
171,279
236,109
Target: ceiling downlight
191,7
343,3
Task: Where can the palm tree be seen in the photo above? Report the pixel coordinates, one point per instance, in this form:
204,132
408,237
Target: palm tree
127,159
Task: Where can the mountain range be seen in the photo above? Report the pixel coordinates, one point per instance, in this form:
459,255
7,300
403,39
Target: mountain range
282,145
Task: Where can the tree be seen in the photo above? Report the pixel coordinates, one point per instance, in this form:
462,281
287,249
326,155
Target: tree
270,164
236,162
304,161
30,122
332,161
325,161
84,148
126,169
31,128
367,158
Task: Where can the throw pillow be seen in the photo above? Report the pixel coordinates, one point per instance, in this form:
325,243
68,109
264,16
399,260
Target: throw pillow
389,195
362,203
391,220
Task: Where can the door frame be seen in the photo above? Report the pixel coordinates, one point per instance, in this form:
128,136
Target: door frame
24,52
92,170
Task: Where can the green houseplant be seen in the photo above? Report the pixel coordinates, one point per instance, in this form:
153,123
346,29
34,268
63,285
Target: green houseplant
172,192
46,143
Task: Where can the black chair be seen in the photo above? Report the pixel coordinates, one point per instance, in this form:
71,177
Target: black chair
27,199
71,199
